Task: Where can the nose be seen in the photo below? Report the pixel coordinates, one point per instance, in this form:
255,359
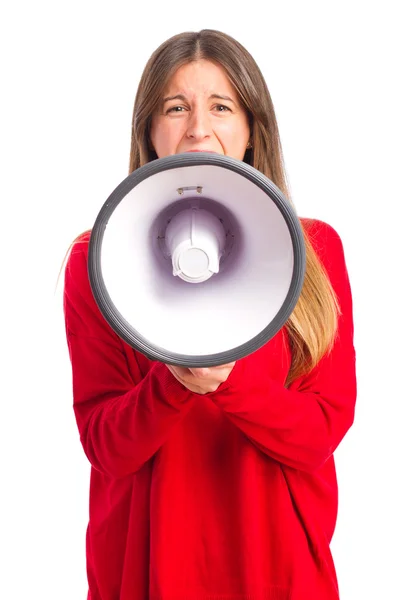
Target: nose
199,125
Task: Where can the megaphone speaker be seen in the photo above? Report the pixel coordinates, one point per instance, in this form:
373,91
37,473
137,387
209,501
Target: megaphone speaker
196,259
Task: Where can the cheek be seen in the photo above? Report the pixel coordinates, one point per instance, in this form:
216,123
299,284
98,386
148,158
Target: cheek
162,137
237,126
166,137
235,133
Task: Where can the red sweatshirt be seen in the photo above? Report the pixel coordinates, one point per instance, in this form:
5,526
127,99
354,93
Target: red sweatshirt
230,495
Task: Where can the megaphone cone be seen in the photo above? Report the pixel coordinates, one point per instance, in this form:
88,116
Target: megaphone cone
196,259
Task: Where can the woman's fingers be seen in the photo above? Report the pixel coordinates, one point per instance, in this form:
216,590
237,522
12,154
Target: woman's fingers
202,380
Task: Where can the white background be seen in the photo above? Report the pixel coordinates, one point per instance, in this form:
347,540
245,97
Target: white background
340,75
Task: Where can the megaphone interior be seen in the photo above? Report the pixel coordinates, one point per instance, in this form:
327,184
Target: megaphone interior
196,259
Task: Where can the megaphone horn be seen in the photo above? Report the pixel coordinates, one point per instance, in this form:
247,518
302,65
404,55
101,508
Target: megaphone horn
196,259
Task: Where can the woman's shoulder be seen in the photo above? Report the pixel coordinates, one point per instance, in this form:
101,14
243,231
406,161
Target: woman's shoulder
81,242
327,243
315,227
75,262
78,246
321,234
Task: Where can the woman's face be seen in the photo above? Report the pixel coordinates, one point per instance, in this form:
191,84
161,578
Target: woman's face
200,111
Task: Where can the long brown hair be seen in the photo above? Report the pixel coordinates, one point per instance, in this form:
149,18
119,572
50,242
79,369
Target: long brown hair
312,326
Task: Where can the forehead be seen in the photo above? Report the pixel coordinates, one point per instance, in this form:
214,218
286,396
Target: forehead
200,76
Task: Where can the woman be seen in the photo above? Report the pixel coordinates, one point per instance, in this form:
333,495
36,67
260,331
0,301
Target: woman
214,483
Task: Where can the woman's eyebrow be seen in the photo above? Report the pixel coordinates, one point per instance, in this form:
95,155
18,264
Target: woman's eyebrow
221,97
183,98
177,97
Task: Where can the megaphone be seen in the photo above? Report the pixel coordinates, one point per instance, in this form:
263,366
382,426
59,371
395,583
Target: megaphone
196,259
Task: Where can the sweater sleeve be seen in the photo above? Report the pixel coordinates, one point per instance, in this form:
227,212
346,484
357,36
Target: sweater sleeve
123,415
302,425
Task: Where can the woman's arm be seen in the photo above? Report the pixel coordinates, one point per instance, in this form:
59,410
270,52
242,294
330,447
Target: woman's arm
300,426
123,415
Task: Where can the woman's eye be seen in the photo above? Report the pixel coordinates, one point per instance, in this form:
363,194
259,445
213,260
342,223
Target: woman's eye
222,108
175,109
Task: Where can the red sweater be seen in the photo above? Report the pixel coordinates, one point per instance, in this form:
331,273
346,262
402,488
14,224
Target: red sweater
226,496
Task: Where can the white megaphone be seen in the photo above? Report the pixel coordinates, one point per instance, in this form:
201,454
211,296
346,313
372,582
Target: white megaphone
196,259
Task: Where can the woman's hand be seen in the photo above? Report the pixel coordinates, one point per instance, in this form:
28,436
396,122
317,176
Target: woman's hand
202,380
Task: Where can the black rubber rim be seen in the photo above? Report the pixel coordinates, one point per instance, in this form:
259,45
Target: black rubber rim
124,329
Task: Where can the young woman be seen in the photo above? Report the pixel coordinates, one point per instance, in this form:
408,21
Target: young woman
212,484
